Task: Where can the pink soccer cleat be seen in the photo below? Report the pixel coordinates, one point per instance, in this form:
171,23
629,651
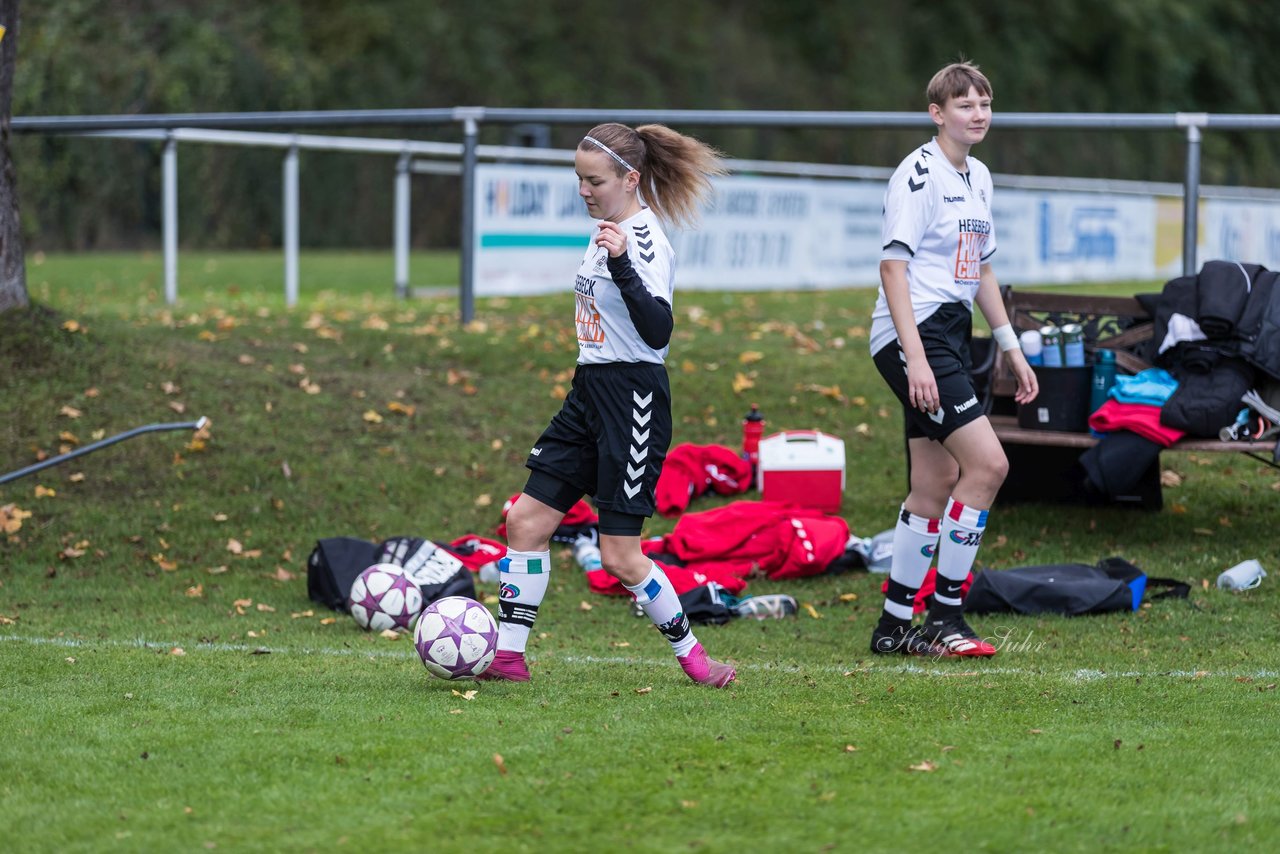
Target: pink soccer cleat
507,666
702,668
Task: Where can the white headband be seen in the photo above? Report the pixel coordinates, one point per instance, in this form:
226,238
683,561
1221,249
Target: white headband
609,151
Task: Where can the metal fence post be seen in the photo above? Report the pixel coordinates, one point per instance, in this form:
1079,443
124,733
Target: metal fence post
169,203
1191,190
291,227
466,287
400,236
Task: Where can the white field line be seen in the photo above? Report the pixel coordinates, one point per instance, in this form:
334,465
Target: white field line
948,669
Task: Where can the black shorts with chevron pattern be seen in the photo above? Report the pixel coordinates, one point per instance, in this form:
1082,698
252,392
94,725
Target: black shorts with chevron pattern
611,435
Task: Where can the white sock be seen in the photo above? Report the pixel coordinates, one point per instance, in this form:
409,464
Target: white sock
524,577
915,541
962,528
659,600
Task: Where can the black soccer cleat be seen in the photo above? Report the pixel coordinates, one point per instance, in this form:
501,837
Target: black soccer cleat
955,635
905,641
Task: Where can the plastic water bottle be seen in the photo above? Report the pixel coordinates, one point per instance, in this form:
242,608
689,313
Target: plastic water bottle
752,430
1104,378
1032,346
586,553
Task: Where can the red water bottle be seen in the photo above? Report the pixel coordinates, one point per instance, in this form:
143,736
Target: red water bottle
752,430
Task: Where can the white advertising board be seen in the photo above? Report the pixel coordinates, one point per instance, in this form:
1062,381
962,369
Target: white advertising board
794,233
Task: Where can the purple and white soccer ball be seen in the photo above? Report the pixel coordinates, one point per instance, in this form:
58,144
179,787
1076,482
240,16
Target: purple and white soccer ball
457,637
383,597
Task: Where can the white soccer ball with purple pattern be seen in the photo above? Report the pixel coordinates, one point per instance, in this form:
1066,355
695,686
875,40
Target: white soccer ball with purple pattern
457,637
383,597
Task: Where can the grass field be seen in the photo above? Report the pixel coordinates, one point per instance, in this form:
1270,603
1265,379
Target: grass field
168,685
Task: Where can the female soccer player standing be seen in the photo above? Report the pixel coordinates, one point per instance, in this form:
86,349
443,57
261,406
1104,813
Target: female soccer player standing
938,240
612,433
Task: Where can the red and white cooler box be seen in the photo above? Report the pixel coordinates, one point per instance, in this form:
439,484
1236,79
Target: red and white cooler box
804,467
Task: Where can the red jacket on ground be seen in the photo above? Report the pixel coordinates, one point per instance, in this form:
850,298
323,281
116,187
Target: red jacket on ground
690,470
779,540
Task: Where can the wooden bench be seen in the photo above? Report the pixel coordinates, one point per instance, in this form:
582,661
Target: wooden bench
1119,324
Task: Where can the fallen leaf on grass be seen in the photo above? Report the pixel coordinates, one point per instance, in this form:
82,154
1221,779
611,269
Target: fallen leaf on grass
389,634
45,492
328,621
372,417
195,592
584,606
282,574
849,748
484,500
497,760
645,690
177,650
749,356
813,612
70,412
926,765
741,383
263,606
297,614
11,516
78,477
848,597
466,695
235,546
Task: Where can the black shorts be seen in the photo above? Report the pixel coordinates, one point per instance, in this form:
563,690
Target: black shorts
945,335
611,435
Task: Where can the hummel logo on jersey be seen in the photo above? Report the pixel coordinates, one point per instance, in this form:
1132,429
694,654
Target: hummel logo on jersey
937,415
645,241
536,452
914,186
921,170
961,407
954,200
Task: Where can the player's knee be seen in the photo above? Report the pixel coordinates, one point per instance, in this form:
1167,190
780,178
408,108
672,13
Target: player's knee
994,469
627,566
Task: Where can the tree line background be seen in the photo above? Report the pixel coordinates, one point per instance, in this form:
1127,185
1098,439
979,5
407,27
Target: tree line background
81,57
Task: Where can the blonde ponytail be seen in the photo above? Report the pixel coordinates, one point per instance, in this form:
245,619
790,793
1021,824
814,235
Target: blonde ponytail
675,170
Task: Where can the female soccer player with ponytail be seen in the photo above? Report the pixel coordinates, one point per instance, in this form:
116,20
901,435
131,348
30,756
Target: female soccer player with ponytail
612,433
938,241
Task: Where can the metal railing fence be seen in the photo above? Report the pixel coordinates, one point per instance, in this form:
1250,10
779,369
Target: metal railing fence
220,127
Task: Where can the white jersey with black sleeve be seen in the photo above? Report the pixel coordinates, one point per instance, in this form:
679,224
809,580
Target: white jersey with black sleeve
941,217
606,331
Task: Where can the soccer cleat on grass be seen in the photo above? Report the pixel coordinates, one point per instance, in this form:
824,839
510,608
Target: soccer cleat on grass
507,666
702,668
905,641
953,633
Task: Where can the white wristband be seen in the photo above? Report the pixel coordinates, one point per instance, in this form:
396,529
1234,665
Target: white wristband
1005,337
